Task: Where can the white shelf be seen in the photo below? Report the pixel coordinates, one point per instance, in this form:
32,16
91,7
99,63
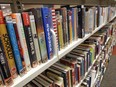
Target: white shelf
21,81
34,72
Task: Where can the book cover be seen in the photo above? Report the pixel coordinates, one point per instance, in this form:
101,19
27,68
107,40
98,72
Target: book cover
29,39
14,44
35,38
40,32
7,46
4,68
20,29
46,17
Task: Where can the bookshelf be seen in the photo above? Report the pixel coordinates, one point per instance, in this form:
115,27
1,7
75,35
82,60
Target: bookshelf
21,81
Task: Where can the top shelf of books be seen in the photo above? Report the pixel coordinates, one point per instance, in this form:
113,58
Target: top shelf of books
63,2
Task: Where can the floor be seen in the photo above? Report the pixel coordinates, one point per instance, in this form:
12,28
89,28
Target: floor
109,79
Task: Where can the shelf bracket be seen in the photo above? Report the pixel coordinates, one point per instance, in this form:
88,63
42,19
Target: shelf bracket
16,6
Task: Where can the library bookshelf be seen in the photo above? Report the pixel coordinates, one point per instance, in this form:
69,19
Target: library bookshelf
34,72
21,81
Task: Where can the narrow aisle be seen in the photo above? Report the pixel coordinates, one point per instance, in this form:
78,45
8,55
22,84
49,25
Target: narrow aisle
109,79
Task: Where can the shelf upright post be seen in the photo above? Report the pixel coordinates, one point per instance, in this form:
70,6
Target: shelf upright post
16,6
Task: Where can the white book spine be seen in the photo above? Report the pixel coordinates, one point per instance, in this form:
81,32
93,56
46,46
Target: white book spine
23,41
34,33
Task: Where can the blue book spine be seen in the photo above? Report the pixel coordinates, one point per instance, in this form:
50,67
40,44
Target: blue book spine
14,44
46,17
73,34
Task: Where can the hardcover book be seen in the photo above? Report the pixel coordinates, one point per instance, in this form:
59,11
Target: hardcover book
24,50
40,32
4,68
35,38
46,19
7,46
29,39
14,44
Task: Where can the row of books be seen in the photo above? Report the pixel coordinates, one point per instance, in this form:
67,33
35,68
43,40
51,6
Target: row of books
75,22
71,69
96,74
26,40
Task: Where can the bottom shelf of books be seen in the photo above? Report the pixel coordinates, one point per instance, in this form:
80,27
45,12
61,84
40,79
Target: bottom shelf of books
84,66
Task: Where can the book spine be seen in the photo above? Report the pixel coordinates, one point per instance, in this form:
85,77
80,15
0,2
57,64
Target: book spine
60,30
75,24
13,41
54,23
73,69
65,26
5,71
29,39
70,33
35,39
17,17
7,46
46,18
19,43
41,35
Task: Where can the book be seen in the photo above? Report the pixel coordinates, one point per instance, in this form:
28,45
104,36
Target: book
43,82
7,46
60,29
68,74
74,23
24,50
81,21
43,76
65,25
35,38
71,62
58,81
54,21
69,23
60,72
29,39
14,44
40,32
4,68
46,24
36,83
19,43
